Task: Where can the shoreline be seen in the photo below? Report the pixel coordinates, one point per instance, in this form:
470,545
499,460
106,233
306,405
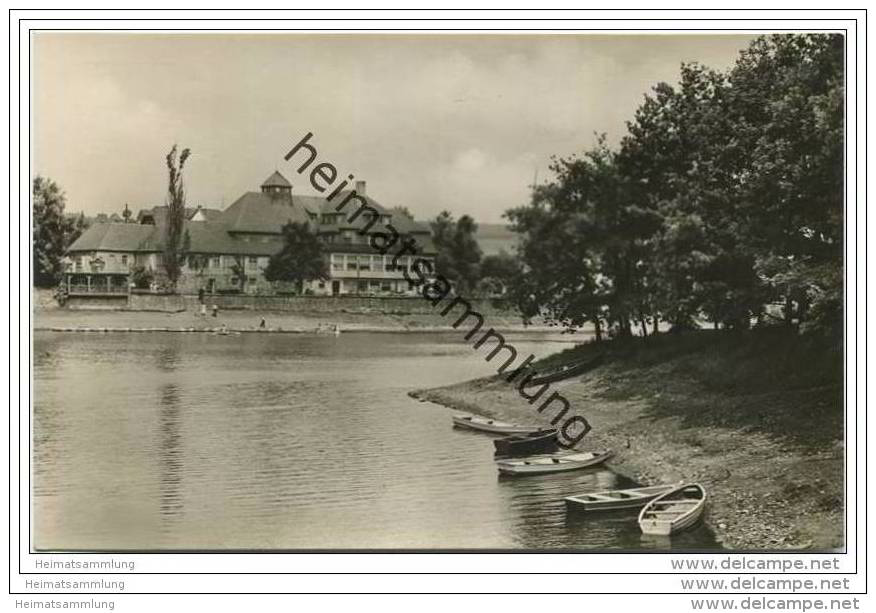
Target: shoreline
57,319
765,493
349,330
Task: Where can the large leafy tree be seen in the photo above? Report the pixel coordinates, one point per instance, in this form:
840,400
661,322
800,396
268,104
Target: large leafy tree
301,259
571,216
724,196
53,232
786,102
459,254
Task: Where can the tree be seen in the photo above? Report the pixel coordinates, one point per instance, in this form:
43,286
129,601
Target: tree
402,210
238,269
52,232
498,273
725,195
459,254
176,240
301,259
787,104
582,244
141,277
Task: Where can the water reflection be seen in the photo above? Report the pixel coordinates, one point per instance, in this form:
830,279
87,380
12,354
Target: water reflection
170,458
283,442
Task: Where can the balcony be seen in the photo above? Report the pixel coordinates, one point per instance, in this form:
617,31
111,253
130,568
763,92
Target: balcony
95,290
84,284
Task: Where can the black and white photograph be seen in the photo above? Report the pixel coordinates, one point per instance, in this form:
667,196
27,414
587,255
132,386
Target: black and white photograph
465,302
361,291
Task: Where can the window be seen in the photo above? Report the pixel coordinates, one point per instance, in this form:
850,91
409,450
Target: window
253,261
216,262
251,280
322,285
386,286
351,264
124,260
387,264
365,262
337,262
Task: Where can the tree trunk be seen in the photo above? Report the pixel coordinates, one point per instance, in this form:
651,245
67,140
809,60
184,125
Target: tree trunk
597,327
644,325
654,327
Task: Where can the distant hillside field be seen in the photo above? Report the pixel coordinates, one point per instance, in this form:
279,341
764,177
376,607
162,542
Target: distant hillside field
496,237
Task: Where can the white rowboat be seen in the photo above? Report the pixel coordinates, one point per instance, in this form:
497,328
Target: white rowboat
674,511
484,424
613,500
552,463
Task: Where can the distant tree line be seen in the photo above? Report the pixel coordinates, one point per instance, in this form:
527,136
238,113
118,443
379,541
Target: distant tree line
723,202
460,259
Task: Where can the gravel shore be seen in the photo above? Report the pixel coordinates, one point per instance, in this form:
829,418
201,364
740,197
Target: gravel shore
769,488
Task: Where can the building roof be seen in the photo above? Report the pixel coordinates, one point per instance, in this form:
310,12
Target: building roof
109,236
258,212
158,214
276,180
252,225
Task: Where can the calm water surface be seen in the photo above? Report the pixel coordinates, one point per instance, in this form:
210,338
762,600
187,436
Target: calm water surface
158,440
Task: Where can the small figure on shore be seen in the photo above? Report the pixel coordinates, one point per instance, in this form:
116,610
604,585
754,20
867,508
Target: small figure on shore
201,295
337,329
215,310
262,323
203,310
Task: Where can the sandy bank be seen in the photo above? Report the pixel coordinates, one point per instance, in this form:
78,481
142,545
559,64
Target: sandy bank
64,320
769,454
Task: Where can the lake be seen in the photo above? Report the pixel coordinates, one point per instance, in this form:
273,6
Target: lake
287,441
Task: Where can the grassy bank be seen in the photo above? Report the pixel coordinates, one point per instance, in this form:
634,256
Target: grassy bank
756,417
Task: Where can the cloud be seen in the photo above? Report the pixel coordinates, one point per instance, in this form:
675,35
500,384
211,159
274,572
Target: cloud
432,122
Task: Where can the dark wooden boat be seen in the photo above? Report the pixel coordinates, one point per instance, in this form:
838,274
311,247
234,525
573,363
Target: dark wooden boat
569,370
541,441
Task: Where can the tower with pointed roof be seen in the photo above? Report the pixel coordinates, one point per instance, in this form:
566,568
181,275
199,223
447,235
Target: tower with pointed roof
277,186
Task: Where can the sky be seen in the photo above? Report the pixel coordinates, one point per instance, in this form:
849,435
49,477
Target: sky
432,122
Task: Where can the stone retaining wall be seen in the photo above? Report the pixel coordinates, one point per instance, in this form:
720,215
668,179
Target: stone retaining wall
304,304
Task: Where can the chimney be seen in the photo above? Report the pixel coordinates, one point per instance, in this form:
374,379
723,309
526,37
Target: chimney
360,188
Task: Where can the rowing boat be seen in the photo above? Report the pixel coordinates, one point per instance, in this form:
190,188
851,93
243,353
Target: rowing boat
542,441
484,424
613,500
552,463
673,511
